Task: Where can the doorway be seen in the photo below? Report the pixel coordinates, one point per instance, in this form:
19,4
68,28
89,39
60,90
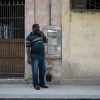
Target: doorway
12,39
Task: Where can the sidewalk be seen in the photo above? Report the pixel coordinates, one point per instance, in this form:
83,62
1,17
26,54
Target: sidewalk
53,92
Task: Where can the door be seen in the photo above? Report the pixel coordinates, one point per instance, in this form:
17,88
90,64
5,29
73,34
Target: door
12,40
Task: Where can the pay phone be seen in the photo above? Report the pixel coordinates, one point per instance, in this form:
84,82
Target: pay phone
53,47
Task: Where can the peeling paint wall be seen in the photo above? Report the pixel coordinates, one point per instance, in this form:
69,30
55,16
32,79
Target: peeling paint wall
42,12
37,11
80,46
84,43
80,41
29,20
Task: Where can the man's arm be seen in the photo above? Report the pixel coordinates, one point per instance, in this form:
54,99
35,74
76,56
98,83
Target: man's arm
45,40
28,55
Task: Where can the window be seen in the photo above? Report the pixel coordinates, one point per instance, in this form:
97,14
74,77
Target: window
85,5
11,19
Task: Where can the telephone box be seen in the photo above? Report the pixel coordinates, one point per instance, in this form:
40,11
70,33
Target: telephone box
53,47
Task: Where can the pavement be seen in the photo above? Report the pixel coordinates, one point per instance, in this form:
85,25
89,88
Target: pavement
53,92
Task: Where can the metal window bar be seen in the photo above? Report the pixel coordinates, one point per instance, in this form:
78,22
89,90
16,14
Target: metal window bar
12,39
93,4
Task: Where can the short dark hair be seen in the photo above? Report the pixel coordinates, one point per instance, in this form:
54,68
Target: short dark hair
34,25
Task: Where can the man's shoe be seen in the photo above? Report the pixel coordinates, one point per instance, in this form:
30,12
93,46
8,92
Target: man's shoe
37,87
43,86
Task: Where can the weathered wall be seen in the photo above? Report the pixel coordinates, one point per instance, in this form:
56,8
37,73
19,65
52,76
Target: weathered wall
42,12
37,11
80,39
84,44
29,20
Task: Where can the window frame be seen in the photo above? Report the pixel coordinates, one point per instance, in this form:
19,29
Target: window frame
82,10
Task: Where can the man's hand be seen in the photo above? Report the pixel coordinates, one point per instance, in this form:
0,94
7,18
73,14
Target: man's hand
41,33
43,36
29,61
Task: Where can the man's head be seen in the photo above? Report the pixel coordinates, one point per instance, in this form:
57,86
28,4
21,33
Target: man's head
35,28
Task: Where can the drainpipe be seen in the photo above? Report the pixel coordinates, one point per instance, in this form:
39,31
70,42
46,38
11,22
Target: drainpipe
48,75
50,12
34,12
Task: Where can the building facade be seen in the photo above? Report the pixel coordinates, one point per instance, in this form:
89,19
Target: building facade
79,24
79,63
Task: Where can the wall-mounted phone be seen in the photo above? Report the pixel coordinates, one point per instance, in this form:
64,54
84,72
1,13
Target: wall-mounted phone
53,47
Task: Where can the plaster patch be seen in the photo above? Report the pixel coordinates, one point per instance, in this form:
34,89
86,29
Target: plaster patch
31,12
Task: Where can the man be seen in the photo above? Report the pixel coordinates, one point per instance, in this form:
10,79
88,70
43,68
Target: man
36,56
